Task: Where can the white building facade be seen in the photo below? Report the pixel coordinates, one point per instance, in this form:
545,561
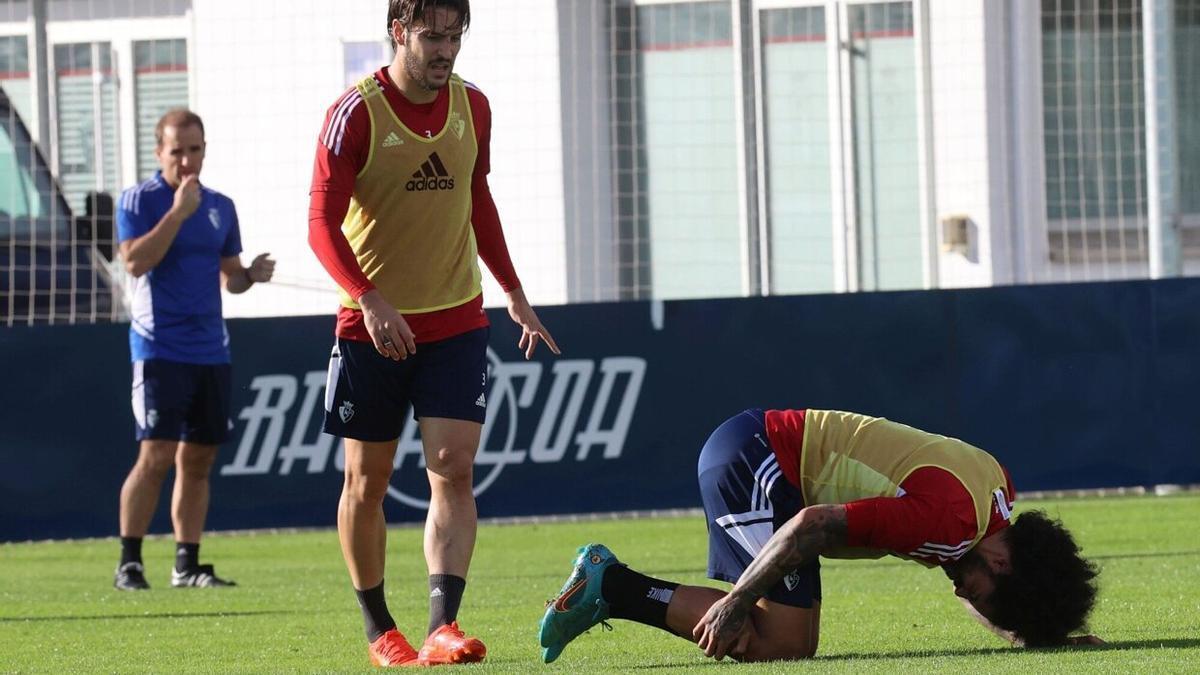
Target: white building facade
676,149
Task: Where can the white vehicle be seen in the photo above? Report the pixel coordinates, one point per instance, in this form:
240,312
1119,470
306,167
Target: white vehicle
53,262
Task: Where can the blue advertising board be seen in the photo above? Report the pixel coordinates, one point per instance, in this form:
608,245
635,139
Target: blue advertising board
1070,386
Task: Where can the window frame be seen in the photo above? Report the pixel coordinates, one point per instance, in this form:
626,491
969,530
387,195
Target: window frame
754,185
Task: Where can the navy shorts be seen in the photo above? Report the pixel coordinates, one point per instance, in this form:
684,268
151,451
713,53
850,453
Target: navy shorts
746,499
367,394
181,401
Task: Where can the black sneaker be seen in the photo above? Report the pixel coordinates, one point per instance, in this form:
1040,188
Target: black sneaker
131,577
201,576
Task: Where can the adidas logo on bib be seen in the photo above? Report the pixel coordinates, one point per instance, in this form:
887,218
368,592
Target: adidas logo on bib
392,140
431,176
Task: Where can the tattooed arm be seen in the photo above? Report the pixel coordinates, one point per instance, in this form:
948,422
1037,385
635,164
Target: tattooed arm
725,629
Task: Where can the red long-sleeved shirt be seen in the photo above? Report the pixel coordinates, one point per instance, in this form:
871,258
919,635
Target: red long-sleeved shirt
342,151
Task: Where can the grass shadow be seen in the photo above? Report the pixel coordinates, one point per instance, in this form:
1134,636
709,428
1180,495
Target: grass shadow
916,654
149,615
1175,643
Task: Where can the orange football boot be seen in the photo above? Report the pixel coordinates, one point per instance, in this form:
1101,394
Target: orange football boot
391,650
448,645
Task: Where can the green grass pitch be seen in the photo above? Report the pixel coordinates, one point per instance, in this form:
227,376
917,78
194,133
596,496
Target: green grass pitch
295,612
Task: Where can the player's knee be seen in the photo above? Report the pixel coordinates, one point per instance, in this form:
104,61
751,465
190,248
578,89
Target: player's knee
807,652
780,651
196,465
366,487
783,645
452,466
154,465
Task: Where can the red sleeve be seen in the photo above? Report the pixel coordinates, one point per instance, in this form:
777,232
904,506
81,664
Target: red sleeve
785,430
934,519
341,154
485,219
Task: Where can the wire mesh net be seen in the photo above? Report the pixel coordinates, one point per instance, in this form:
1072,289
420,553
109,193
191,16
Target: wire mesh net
640,148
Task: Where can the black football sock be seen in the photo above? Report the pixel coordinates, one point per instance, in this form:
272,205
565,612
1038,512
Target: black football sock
445,595
187,556
376,618
131,550
637,597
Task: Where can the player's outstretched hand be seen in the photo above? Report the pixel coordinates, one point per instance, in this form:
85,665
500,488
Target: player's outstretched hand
725,630
532,329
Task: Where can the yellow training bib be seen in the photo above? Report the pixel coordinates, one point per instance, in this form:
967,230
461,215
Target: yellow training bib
848,456
409,222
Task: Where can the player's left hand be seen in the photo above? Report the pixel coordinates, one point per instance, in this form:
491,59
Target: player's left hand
725,630
532,329
261,269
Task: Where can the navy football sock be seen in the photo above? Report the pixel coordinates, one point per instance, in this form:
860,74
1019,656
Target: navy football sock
637,597
187,556
131,550
445,595
376,618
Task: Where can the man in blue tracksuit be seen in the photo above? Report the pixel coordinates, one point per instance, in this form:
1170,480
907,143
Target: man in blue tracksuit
181,243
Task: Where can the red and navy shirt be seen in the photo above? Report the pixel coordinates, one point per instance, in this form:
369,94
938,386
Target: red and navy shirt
932,517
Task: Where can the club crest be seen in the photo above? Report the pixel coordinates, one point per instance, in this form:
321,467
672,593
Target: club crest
457,125
792,580
346,411
214,217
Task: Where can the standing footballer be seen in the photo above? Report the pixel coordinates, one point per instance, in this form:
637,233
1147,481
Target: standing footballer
400,210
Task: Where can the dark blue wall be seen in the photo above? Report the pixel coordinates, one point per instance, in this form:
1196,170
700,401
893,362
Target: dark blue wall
1071,386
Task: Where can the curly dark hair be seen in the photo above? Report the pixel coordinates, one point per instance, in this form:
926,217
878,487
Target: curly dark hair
408,11
1051,588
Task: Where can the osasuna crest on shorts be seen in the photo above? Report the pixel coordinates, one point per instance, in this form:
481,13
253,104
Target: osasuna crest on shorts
181,401
367,395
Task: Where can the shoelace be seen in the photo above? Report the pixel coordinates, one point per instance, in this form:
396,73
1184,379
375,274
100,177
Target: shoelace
394,651
603,624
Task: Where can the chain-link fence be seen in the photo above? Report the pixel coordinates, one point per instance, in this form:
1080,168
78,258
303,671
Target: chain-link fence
640,148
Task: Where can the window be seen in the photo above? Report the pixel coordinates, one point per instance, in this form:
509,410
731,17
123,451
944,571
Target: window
19,196
14,74
1092,79
1187,98
883,83
687,142
27,215
1095,137
796,99
688,127
160,80
88,148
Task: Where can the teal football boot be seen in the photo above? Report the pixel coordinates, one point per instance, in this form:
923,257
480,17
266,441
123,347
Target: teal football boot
579,605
